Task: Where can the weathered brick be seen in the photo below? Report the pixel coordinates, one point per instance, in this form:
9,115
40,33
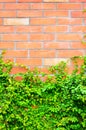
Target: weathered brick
16,21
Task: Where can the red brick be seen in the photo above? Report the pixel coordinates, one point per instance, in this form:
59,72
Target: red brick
42,21
69,53
84,5
56,45
7,13
48,6
7,29
42,37
55,13
29,29
30,13
0,21
28,45
14,37
30,62
56,0
69,37
85,21
42,53
78,45
16,70
16,53
56,29
16,6
77,0
16,21
29,1
69,6
67,21
1,6
78,29
6,45
78,14
43,69
7,1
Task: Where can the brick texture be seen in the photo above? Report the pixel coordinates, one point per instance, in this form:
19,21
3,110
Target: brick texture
42,32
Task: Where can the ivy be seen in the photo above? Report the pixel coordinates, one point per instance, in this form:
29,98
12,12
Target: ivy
57,103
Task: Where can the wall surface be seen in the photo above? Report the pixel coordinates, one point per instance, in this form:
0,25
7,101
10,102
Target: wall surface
42,32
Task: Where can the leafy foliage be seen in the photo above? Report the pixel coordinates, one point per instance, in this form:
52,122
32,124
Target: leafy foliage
57,103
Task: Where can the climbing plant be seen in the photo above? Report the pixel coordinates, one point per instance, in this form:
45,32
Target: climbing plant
54,101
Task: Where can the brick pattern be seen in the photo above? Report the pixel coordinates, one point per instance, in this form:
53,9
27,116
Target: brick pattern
42,32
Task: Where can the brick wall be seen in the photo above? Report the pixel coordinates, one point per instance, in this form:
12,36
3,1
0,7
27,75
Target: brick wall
42,32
